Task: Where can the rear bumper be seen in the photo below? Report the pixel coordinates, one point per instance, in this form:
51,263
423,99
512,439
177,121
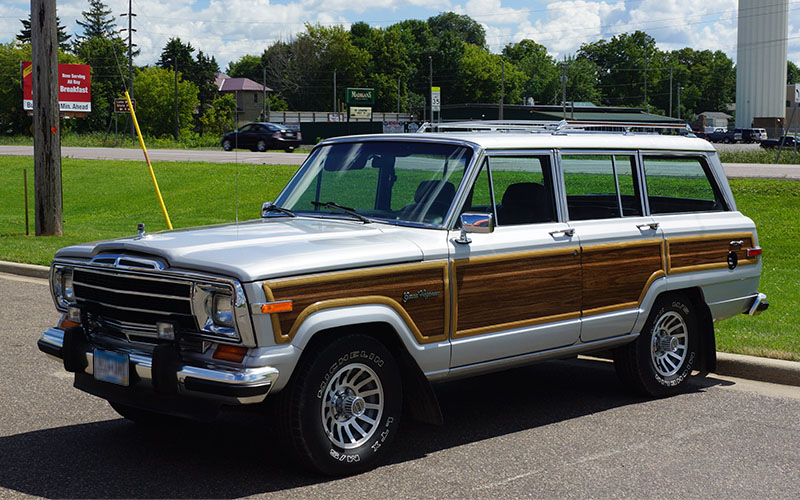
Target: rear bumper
173,377
759,305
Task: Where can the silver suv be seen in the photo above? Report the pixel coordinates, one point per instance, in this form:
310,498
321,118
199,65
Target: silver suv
392,262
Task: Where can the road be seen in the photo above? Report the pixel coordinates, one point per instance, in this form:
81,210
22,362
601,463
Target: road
561,429
275,158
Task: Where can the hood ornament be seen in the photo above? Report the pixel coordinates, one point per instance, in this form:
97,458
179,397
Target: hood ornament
140,229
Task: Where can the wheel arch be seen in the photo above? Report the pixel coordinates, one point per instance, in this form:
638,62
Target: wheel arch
419,398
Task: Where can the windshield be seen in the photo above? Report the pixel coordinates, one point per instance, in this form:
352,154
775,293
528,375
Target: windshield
390,181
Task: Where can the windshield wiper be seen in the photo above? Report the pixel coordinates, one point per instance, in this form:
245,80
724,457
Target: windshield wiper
347,210
271,207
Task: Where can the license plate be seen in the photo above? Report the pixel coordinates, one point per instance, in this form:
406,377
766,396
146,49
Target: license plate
111,367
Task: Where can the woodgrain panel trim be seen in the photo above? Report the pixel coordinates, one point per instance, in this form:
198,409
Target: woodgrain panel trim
704,252
492,277
358,287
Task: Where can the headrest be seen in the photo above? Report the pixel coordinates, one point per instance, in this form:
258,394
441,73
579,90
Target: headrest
524,193
442,192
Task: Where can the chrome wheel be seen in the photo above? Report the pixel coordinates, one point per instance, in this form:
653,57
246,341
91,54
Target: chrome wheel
669,344
352,406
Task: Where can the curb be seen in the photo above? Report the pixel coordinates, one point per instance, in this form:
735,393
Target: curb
776,371
24,269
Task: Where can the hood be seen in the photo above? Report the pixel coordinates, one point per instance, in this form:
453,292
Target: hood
268,248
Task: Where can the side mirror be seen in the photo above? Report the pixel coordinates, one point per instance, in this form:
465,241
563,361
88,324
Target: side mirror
475,223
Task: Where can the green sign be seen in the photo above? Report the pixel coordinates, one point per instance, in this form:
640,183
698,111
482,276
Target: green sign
360,96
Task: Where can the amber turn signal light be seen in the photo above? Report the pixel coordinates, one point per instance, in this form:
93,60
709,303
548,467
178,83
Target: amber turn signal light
230,353
276,307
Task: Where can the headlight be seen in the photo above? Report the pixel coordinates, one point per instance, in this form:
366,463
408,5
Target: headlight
222,309
63,291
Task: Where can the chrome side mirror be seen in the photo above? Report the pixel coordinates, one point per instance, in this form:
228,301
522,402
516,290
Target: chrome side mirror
475,223
266,208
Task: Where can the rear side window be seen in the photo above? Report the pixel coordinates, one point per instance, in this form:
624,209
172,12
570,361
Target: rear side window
680,184
600,186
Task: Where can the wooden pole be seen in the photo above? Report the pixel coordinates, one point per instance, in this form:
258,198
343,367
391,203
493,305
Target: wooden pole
46,131
25,184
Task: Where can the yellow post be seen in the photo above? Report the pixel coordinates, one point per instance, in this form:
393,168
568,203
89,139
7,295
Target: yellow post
147,159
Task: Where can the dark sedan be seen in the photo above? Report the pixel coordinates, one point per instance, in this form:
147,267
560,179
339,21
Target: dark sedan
789,141
261,136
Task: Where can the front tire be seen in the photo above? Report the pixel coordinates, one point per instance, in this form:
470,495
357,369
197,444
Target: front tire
659,362
343,409
226,145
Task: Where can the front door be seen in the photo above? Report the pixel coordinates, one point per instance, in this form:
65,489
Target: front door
515,290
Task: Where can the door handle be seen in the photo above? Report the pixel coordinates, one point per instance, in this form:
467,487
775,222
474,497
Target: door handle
570,232
651,225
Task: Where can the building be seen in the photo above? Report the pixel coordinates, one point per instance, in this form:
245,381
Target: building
250,97
762,48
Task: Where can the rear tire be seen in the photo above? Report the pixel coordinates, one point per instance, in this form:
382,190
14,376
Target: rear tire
659,362
261,146
342,408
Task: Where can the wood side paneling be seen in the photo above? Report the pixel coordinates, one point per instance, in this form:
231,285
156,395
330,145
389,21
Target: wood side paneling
686,254
429,315
616,275
492,292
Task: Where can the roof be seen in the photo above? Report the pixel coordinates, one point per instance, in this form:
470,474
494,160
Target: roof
715,114
547,140
581,115
227,84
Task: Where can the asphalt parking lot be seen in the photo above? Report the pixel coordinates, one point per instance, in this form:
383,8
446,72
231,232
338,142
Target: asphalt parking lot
563,429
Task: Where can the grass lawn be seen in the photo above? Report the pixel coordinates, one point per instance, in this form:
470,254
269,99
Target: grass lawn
106,199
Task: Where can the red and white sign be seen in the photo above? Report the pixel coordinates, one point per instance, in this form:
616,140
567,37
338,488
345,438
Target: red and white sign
74,87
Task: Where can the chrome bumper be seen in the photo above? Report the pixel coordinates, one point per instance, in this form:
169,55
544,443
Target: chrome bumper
221,385
759,305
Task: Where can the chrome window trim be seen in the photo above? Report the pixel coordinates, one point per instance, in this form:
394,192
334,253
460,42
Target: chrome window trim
244,325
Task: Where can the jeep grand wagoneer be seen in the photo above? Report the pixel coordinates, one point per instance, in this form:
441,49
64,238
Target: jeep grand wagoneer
391,262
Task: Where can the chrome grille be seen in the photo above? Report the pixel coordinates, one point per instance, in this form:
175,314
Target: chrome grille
134,303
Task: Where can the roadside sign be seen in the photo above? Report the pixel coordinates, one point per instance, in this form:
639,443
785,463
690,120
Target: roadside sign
121,105
360,112
74,87
360,97
797,93
436,98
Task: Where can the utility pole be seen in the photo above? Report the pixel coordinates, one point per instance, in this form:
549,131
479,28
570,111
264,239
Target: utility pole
177,128
46,126
264,91
670,92
646,104
679,101
430,82
130,15
398,98
334,90
564,90
502,85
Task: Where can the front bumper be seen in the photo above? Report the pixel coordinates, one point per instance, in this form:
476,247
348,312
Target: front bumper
215,384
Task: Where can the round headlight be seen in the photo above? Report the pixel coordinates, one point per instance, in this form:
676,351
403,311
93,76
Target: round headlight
222,309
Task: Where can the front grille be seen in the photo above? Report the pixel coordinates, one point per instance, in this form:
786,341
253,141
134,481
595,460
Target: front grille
133,304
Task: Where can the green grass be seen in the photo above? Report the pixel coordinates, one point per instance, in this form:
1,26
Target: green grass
759,156
106,199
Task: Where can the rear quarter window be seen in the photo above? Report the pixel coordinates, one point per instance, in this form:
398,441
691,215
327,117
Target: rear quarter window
681,184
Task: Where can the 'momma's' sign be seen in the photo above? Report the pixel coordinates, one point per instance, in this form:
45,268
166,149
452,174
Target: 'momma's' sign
74,87
360,96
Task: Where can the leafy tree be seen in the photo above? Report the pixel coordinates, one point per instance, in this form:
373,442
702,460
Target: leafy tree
542,74
792,72
462,26
220,115
174,52
248,66
97,21
24,35
581,81
480,77
621,66
200,71
389,61
154,88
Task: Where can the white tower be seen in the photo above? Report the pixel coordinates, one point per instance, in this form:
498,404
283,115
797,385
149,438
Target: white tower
761,60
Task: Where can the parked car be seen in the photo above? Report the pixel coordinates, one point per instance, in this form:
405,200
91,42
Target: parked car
261,136
789,141
722,135
392,262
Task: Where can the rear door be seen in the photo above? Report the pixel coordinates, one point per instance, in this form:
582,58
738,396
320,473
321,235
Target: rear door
621,248
515,290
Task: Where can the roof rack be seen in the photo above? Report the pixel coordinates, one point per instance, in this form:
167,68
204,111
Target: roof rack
555,127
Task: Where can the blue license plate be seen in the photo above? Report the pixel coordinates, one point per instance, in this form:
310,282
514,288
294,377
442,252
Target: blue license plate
111,367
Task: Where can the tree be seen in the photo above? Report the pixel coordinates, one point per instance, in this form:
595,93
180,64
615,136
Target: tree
201,71
581,81
539,67
462,26
24,35
220,115
792,73
480,78
154,90
248,66
97,21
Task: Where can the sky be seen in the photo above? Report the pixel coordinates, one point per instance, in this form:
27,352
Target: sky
231,28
